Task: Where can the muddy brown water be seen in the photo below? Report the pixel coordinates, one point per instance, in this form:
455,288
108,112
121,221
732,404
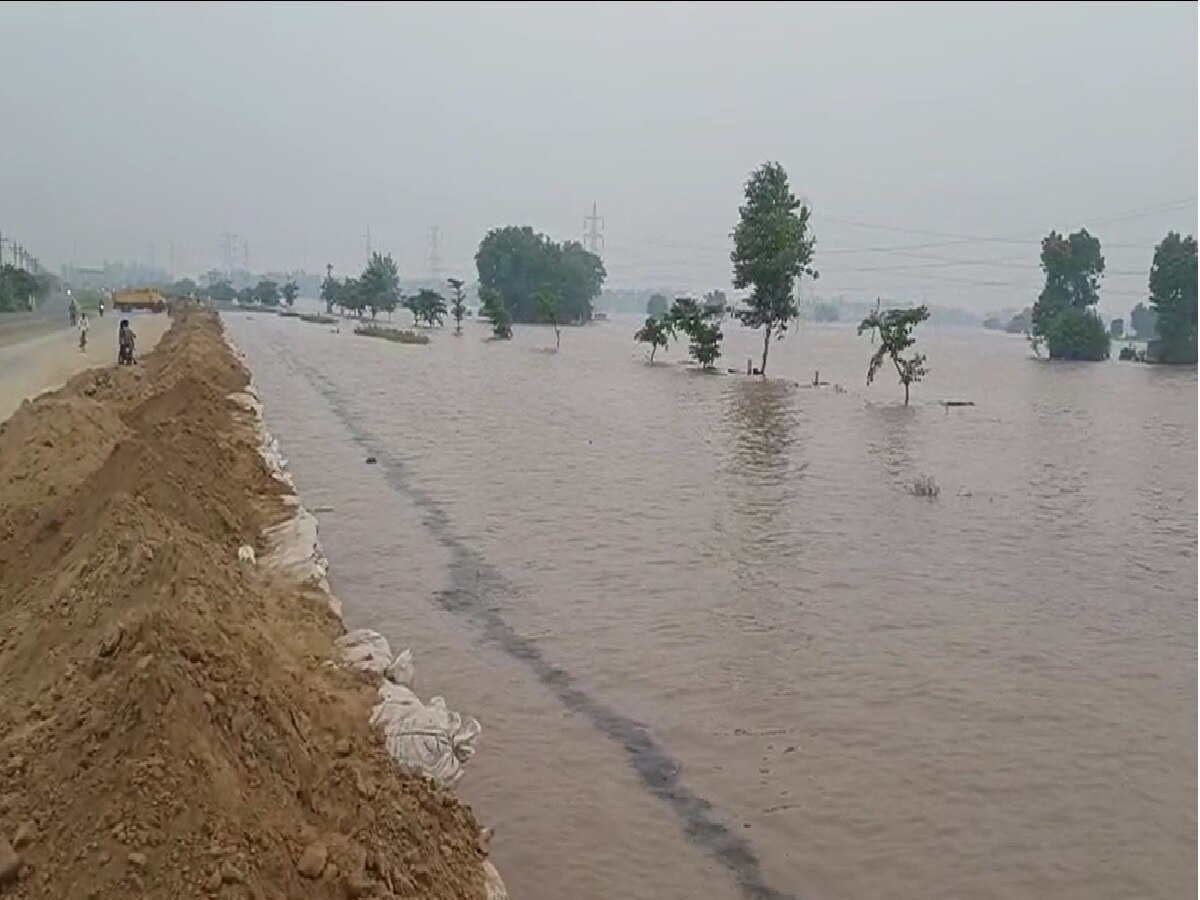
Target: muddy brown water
718,647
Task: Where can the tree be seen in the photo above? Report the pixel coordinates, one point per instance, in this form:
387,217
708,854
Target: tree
549,303
826,311
1143,321
379,285
658,306
772,247
1116,329
426,306
1021,323
696,321
716,300
266,293
290,292
329,290
492,308
894,327
1062,316
654,332
517,261
458,303
1173,297
350,296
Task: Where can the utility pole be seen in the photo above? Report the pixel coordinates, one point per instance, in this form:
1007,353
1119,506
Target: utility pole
435,252
593,232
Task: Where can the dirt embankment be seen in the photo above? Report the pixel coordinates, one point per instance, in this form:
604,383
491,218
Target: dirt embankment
169,723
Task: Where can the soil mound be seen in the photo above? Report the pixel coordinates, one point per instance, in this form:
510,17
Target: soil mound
170,725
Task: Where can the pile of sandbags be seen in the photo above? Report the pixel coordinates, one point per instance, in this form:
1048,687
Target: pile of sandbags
426,737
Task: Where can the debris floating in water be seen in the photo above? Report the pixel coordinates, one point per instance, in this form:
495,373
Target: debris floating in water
371,460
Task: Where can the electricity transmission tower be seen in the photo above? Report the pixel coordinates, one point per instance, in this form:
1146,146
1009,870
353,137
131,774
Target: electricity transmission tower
593,232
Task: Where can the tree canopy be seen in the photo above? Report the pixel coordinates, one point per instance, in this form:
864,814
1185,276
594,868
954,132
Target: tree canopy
658,306
772,247
1173,297
1143,321
517,261
427,306
379,285
696,320
290,292
265,293
458,302
19,287
654,332
492,308
1063,316
549,304
894,328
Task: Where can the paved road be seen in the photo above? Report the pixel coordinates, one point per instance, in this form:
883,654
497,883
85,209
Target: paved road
43,362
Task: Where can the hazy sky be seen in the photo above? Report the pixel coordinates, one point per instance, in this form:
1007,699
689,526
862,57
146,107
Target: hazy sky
936,142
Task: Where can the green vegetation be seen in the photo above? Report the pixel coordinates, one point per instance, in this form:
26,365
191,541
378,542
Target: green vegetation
515,262
458,302
493,310
1063,316
317,319
1173,297
329,290
658,305
265,293
395,335
378,287
894,328
654,332
427,306
1116,329
19,288
697,322
290,292
1143,321
1021,323
772,247
549,304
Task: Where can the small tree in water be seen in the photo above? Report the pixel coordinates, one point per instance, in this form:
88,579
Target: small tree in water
655,333
894,327
290,292
458,303
696,321
492,308
549,303
426,306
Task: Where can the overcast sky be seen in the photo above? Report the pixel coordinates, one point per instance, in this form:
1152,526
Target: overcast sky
936,142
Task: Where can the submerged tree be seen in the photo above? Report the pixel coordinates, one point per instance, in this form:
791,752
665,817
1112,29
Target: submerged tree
549,303
266,293
1173,297
426,306
772,247
290,292
658,306
697,322
1143,321
329,290
894,328
458,302
1063,316
654,332
492,308
379,285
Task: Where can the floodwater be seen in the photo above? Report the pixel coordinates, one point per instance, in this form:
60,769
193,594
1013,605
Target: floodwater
720,649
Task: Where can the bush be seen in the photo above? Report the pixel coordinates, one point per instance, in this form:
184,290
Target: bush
1077,334
317,319
395,335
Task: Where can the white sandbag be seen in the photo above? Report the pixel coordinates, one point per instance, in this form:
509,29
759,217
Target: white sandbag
246,554
430,739
364,649
247,401
401,669
493,887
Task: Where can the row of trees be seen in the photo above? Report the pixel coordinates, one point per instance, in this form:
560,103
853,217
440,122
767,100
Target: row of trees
19,287
265,293
377,290
1064,319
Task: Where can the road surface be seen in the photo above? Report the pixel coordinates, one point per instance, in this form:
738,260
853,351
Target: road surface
29,366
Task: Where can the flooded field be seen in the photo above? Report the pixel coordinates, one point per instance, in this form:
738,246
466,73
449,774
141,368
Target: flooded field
718,646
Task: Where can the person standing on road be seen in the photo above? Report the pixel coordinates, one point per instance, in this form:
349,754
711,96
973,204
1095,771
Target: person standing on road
83,330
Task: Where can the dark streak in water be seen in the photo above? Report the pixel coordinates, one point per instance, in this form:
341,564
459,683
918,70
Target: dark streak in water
474,581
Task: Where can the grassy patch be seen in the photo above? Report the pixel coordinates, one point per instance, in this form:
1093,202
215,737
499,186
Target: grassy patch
395,335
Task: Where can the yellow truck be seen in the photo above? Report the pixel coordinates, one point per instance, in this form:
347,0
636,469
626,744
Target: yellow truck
139,299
